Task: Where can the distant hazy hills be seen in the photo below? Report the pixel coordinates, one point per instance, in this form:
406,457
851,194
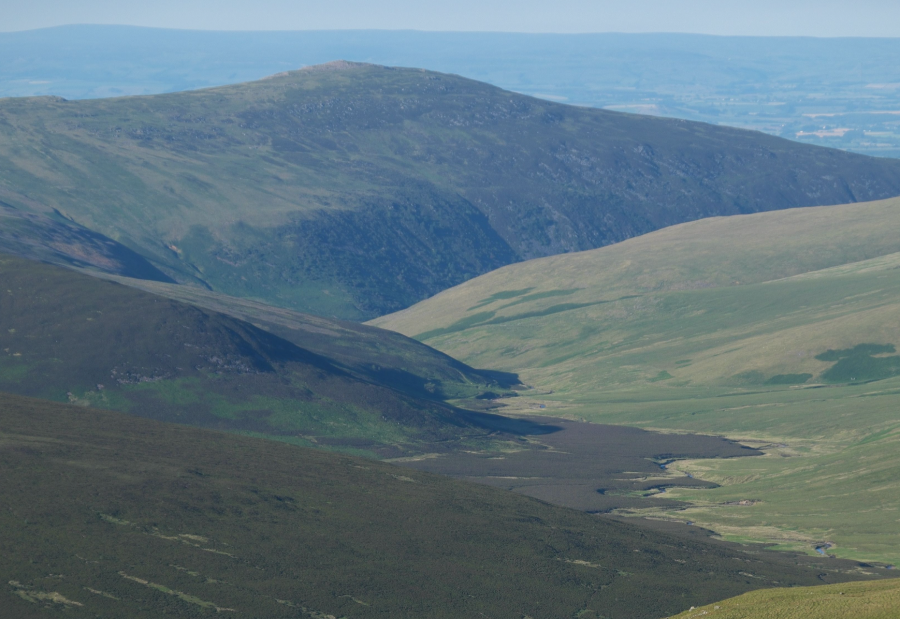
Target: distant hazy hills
354,190
71,337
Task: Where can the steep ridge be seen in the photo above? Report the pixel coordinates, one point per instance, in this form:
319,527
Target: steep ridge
777,330
109,515
68,336
354,190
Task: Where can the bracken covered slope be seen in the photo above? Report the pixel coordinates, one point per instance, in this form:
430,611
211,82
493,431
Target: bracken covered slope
354,190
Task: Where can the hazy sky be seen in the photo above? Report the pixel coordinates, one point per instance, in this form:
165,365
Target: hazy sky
728,17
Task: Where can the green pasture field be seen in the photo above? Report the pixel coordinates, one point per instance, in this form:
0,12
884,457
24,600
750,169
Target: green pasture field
829,476
779,330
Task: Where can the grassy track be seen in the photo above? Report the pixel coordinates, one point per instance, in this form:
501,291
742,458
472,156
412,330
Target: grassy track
777,329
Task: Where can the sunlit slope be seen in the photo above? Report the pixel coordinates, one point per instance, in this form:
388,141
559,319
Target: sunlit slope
695,304
869,600
354,190
778,329
108,515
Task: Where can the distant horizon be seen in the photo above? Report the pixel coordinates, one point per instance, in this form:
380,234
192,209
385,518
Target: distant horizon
765,18
436,31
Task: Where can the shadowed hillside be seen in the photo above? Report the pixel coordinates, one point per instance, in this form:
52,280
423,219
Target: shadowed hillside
378,355
71,337
238,365
39,237
354,190
135,518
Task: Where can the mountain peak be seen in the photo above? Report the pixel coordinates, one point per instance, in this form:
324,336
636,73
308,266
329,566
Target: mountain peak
325,67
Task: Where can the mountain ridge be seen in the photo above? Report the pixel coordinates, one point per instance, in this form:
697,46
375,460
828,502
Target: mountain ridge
358,191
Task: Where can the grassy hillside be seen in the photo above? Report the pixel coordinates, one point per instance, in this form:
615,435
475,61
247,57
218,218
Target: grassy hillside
870,600
710,253
776,329
70,337
353,190
108,515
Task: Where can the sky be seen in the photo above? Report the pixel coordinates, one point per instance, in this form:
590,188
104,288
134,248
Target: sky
823,18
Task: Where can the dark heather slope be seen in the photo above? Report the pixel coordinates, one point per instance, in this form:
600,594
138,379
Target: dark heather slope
377,355
354,190
107,515
71,337
38,237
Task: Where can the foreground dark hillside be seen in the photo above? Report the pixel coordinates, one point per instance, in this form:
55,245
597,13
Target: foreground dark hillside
353,190
71,337
108,515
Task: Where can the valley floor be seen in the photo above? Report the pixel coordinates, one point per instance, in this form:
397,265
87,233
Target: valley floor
829,479
776,330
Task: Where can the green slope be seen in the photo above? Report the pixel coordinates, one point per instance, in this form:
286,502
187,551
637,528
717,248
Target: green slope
870,600
108,515
776,329
353,190
71,337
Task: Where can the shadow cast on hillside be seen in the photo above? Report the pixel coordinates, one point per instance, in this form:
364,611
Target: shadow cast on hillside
508,425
